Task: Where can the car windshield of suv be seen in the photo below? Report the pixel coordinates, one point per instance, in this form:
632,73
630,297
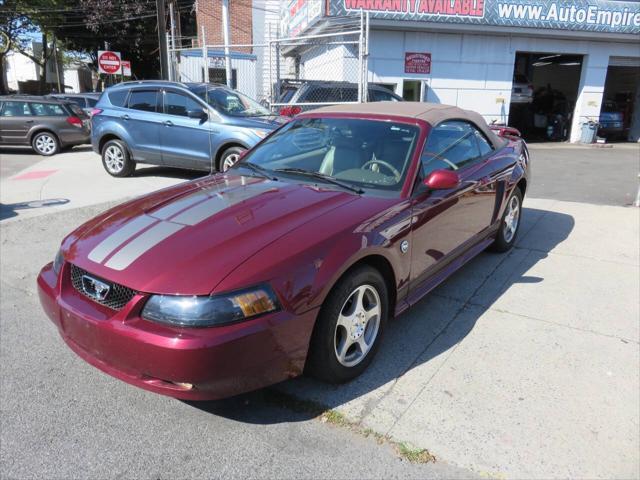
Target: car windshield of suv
232,103
368,155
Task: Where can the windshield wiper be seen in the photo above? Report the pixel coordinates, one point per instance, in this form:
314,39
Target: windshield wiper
320,176
254,167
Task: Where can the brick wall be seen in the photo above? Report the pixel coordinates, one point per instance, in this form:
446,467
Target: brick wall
209,15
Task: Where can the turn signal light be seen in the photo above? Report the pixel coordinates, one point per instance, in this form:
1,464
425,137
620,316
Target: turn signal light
290,111
96,111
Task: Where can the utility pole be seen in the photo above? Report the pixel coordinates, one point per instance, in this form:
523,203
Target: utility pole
225,32
55,59
162,39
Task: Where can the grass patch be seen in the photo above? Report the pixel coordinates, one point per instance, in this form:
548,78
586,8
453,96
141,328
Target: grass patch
333,417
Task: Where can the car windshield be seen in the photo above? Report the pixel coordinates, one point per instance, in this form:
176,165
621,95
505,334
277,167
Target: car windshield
232,103
368,155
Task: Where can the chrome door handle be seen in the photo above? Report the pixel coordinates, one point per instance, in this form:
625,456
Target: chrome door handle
125,117
168,123
28,121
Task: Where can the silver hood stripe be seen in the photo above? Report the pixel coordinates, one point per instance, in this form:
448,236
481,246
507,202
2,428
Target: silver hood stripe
169,220
117,238
142,244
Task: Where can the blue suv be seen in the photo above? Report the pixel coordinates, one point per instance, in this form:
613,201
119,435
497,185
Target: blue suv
186,125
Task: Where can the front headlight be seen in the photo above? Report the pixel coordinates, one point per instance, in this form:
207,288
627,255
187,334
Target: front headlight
57,262
207,311
261,133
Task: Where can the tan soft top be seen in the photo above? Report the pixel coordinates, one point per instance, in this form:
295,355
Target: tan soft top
432,113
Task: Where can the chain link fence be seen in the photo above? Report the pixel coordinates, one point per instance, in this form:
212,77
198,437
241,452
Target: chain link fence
288,75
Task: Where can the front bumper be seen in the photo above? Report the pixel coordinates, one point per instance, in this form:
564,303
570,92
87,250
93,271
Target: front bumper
218,362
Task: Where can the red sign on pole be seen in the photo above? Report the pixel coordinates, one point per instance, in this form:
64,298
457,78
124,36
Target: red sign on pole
108,62
415,62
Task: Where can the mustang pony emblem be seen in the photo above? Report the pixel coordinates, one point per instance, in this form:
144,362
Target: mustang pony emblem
95,288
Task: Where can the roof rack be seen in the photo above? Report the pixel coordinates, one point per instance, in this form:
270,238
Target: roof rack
141,82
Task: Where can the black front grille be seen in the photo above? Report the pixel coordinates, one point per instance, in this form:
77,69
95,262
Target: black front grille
117,297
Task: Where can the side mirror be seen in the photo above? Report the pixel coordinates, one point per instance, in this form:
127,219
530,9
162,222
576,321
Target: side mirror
199,114
442,180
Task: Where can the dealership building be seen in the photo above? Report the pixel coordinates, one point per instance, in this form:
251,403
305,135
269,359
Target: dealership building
532,64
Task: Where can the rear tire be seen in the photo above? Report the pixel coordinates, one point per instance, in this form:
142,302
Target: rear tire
349,327
509,223
229,158
45,143
116,159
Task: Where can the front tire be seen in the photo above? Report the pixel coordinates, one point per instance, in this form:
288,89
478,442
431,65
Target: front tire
349,327
45,143
509,223
229,158
116,159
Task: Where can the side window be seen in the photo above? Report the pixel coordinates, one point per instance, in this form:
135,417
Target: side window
91,102
118,97
483,143
16,109
47,110
382,96
451,145
178,104
144,100
321,95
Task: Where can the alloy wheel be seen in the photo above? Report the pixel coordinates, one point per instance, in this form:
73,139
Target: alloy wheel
45,144
357,327
229,161
511,219
114,159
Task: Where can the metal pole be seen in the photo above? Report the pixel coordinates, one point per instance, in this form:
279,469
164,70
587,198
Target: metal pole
360,55
225,32
270,69
55,59
162,39
168,59
172,31
366,59
205,62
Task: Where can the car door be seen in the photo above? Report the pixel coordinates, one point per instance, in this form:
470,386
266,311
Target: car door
143,121
15,121
446,223
185,141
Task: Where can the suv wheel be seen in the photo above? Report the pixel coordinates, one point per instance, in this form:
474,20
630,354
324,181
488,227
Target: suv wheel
229,157
116,160
45,143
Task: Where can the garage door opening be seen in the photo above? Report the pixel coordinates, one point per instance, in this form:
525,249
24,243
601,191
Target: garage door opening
620,111
543,95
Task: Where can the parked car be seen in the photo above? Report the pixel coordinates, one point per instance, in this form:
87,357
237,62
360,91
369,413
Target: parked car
46,124
611,120
86,101
300,93
196,126
521,89
293,259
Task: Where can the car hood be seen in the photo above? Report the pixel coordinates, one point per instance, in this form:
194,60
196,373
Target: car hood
188,238
270,123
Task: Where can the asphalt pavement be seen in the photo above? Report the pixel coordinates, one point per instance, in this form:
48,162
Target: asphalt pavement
520,366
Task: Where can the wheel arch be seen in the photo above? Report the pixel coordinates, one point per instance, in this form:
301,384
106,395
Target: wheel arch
38,130
222,148
109,136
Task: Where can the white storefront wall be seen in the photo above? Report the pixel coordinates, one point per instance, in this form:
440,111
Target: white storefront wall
475,71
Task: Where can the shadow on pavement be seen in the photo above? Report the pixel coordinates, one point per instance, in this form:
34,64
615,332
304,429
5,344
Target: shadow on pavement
8,210
436,324
169,172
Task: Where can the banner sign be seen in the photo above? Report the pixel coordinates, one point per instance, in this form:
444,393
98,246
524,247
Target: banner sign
606,16
415,62
297,15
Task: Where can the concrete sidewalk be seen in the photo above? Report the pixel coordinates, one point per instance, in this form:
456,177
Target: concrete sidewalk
76,179
522,365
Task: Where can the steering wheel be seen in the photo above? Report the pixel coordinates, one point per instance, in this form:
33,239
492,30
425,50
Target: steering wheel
387,165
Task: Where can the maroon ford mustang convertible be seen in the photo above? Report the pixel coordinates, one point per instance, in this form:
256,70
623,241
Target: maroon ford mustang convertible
293,260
